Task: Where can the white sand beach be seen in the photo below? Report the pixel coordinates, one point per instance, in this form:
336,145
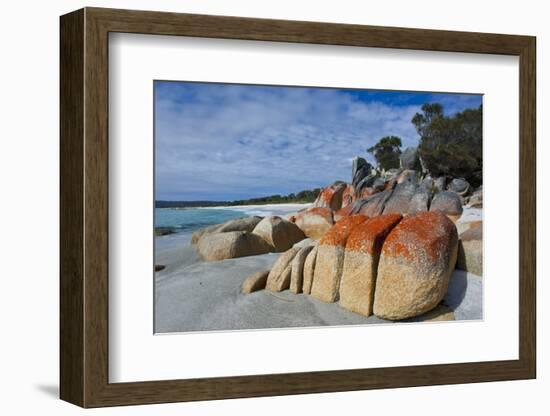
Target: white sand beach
193,295
267,209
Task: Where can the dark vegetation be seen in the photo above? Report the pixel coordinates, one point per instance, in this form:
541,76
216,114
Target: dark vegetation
300,197
386,152
449,145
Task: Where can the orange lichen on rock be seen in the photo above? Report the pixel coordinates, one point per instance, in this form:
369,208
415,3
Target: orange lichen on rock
369,236
348,196
326,213
330,258
331,196
338,234
315,222
344,212
359,271
425,234
415,265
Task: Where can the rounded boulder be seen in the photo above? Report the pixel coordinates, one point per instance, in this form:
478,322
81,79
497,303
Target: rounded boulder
416,262
279,233
230,245
361,261
314,222
449,203
459,186
330,258
470,249
237,224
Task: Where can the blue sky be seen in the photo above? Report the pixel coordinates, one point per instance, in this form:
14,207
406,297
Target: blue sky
226,141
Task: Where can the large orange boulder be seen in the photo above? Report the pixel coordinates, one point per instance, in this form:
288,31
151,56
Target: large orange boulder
415,265
330,258
331,196
314,222
361,263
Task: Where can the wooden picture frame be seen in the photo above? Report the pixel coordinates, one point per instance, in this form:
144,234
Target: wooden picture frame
84,207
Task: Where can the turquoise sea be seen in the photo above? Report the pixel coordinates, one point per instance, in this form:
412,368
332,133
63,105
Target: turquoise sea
191,219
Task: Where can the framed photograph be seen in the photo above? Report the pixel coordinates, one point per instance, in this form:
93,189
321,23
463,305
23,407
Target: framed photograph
254,207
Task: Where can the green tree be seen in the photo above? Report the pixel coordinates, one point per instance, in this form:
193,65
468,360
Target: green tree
386,152
451,145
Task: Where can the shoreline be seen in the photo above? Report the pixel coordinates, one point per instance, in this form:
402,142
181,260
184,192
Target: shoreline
281,210
253,206
196,295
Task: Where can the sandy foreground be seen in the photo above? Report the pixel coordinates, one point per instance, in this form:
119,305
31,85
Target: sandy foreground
193,295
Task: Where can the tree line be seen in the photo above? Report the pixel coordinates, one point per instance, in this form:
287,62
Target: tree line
449,145
298,197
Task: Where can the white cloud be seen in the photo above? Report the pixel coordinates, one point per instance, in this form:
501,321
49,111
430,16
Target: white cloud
231,142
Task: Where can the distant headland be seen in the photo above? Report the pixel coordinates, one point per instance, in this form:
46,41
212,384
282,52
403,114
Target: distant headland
301,197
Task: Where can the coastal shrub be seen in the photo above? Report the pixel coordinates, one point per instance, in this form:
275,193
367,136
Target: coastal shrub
387,152
451,145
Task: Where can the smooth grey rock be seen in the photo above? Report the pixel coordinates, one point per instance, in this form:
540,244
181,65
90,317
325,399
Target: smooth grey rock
427,184
360,169
447,202
367,181
398,202
420,201
358,163
392,173
459,186
440,184
378,184
409,158
373,205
